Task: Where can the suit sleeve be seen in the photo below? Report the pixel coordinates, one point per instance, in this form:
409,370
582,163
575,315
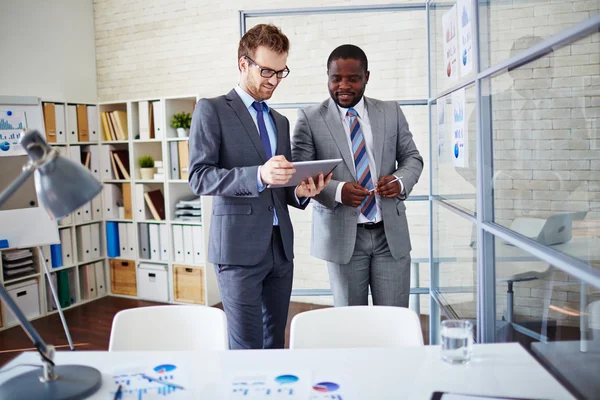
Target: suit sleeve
206,177
410,162
303,149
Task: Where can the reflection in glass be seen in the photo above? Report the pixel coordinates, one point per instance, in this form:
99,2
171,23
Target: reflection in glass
546,142
536,302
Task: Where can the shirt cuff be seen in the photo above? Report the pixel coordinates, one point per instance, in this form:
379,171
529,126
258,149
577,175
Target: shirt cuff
261,186
402,194
338,192
304,199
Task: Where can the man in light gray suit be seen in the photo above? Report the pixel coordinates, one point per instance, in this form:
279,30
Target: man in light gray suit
359,220
238,145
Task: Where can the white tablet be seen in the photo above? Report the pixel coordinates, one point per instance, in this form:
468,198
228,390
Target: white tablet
306,169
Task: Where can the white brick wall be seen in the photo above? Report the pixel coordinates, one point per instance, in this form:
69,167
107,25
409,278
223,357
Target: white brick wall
173,47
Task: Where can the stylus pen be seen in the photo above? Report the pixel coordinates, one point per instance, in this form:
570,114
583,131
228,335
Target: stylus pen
392,181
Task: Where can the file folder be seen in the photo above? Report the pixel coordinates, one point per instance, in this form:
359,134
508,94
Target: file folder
86,211
183,159
111,196
95,240
173,150
100,280
144,120
50,122
157,115
64,293
84,243
188,244
47,255
178,243
66,245
93,126
127,201
164,246
154,242
50,302
91,275
106,162
72,132
97,207
131,240
113,248
82,123
142,211
123,240
84,283
95,161
56,255
144,242
198,243
61,125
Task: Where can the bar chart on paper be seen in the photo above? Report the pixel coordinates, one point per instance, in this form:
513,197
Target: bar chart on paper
12,125
161,382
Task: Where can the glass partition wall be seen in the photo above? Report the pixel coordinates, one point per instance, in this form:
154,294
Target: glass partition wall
503,99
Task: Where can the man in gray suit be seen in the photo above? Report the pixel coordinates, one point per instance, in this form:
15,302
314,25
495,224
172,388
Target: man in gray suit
238,146
359,220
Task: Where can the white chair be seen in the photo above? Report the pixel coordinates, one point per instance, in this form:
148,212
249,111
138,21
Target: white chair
169,327
356,326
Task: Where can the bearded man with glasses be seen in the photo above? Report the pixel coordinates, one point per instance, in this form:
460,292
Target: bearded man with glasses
238,146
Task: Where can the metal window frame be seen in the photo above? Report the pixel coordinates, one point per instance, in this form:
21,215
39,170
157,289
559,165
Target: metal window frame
483,219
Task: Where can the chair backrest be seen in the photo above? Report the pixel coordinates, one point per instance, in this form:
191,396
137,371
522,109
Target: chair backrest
357,326
169,327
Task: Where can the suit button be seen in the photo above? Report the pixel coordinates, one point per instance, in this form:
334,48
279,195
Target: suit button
270,208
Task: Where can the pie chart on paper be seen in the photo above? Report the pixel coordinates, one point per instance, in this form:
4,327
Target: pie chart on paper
325,387
162,369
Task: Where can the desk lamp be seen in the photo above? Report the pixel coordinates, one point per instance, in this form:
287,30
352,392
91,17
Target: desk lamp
62,186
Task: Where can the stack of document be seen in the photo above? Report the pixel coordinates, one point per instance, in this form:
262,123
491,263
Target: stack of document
189,210
17,263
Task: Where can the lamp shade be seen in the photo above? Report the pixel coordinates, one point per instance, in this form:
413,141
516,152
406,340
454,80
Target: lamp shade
62,185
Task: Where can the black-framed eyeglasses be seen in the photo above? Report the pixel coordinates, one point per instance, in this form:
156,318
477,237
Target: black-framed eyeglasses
267,72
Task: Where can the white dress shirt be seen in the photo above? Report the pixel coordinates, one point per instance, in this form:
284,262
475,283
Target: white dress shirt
363,120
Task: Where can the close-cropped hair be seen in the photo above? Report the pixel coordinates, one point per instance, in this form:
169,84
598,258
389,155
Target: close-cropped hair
349,51
266,35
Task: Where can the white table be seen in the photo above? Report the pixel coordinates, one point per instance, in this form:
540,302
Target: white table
406,373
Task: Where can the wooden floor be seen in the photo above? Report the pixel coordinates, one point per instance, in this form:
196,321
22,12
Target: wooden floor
90,324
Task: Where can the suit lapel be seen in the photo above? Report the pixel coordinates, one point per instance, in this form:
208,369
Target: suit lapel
280,134
243,114
331,115
377,121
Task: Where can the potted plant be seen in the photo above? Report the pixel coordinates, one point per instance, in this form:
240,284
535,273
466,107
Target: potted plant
146,167
182,122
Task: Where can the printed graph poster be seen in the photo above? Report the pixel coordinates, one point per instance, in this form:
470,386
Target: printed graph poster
459,132
465,15
441,116
12,126
450,32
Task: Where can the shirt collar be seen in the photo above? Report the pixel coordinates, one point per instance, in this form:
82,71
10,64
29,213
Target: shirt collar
248,99
359,107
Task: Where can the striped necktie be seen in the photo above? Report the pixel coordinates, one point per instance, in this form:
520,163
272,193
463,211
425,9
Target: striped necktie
361,164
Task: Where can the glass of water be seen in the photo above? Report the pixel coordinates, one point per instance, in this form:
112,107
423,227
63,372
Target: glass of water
457,341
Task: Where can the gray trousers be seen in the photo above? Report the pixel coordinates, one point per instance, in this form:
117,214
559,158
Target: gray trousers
256,299
372,265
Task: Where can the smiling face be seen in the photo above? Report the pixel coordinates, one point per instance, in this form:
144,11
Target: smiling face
347,80
252,82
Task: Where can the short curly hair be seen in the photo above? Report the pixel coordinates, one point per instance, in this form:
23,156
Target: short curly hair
266,35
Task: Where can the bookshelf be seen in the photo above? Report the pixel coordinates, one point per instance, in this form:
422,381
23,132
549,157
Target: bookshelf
80,263
167,261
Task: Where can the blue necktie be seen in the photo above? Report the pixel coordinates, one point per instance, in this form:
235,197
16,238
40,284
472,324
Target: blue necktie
361,163
262,128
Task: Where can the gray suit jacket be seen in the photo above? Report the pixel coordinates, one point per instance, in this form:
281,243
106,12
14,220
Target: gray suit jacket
225,152
319,134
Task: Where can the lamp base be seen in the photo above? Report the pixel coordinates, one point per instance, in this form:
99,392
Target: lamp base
74,382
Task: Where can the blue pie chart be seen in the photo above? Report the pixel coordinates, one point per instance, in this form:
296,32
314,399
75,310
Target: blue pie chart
286,379
4,146
164,368
325,387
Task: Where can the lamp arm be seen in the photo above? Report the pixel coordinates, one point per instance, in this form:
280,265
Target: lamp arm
28,170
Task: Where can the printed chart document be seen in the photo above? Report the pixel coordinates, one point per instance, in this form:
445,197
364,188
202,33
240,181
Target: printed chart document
255,385
159,381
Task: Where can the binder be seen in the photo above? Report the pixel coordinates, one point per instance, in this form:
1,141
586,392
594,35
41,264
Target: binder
95,240
156,203
188,244
106,171
78,215
84,243
56,255
131,240
144,242
75,154
50,303
100,280
154,242
141,210
93,127
157,115
123,240
94,161
86,211
61,124
183,147
198,243
111,196
127,201
72,285
66,220
47,255
84,283
164,247
97,207
82,123
64,293
66,245
50,122
144,119
173,150
178,243
112,239
72,132
91,275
